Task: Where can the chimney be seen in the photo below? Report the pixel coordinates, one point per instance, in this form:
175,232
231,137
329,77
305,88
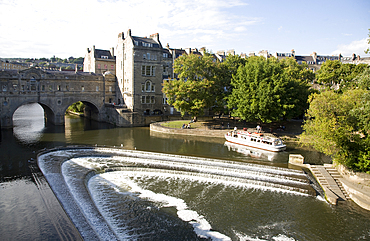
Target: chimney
121,35
188,50
293,53
112,52
88,50
155,37
129,32
76,68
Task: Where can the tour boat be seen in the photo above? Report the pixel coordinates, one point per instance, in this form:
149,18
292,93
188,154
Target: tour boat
257,140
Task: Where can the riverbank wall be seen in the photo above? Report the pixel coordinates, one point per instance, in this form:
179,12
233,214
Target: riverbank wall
203,131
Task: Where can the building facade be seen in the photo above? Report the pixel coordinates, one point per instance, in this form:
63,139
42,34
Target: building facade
139,72
99,61
6,65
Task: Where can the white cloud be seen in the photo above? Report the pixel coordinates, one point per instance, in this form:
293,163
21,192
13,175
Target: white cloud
358,47
42,28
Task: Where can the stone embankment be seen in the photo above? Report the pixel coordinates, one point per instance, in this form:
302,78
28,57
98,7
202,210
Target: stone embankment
203,131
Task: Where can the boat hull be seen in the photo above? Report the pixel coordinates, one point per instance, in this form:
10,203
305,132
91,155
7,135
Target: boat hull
261,146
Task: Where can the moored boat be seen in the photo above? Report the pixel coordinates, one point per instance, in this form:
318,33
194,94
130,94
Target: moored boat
262,141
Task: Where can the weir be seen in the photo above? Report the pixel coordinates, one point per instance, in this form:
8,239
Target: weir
68,171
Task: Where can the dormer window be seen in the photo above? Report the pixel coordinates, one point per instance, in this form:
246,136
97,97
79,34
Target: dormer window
104,57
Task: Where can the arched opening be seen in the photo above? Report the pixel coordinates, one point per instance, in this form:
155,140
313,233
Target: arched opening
83,109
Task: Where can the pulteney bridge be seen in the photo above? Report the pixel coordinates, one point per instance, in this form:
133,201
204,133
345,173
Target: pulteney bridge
55,91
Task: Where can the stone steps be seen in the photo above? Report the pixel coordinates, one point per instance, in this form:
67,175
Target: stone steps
329,179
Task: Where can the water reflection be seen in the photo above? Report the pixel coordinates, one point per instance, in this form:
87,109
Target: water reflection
28,125
255,153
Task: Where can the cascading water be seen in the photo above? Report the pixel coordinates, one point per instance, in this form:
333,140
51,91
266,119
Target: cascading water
142,195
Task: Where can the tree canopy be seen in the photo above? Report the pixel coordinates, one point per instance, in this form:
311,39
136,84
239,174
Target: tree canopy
267,90
334,72
338,125
203,82
196,78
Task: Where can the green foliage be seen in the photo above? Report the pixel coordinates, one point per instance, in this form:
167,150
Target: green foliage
330,72
267,90
334,72
77,107
200,84
363,79
338,125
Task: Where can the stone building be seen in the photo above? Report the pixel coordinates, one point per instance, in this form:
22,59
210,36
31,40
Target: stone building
6,65
139,72
99,61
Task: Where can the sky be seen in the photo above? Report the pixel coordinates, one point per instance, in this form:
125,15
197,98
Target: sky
44,28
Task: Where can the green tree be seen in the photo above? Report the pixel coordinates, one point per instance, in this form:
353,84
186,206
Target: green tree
363,79
222,87
330,72
77,107
190,93
267,90
337,125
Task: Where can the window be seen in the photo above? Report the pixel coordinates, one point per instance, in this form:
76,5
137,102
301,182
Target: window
104,57
98,66
110,88
112,67
148,86
97,88
82,88
144,56
148,70
147,99
59,88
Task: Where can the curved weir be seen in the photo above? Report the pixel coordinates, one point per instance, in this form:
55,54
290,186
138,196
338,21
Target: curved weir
117,194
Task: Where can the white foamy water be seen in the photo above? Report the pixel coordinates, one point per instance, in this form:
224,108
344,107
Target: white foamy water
131,201
122,180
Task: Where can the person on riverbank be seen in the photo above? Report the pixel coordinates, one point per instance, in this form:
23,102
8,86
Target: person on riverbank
258,128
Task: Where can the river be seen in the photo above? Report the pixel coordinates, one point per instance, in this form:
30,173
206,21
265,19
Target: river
30,211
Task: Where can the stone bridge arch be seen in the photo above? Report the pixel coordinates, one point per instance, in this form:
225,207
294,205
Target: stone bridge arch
92,109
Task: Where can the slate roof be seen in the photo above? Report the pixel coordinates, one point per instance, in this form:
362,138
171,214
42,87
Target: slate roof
306,59
169,54
141,40
100,52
